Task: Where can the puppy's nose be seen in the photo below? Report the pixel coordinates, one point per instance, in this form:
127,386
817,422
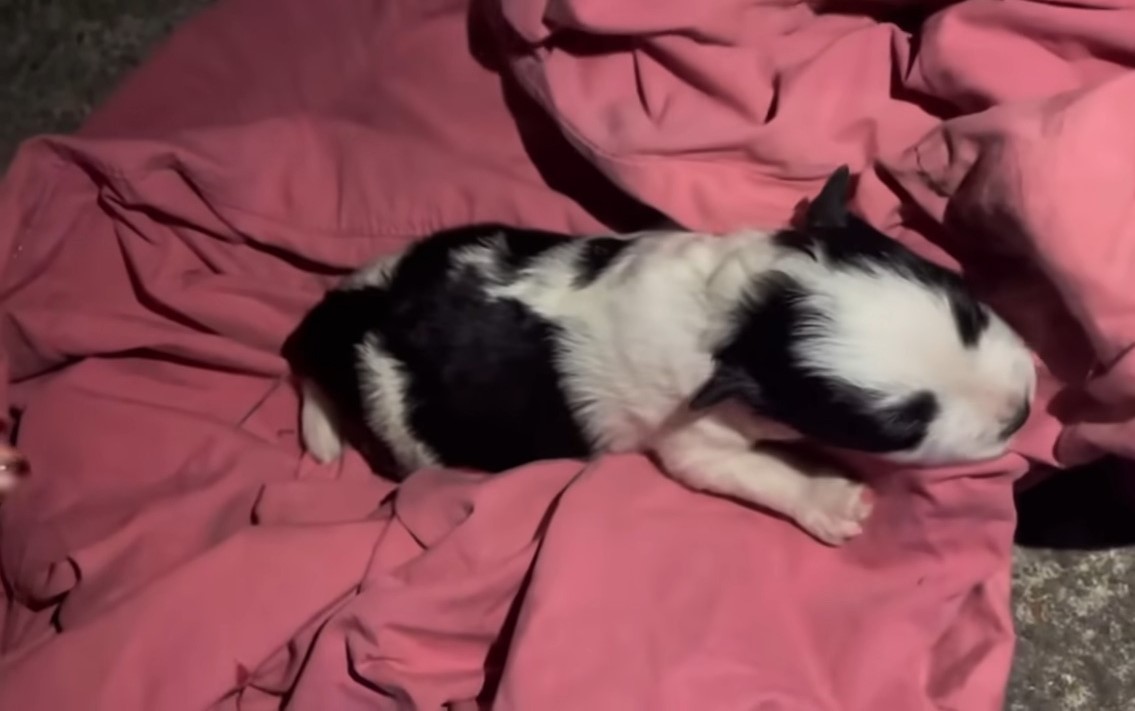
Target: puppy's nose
1017,421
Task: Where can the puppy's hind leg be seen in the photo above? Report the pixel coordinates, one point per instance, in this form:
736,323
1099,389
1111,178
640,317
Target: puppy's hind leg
321,437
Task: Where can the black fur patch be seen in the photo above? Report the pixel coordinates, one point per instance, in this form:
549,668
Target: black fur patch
323,346
970,317
483,387
322,349
483,391
597,256
857,245
768,328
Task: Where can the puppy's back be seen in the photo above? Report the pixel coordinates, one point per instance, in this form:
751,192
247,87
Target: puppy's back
429,355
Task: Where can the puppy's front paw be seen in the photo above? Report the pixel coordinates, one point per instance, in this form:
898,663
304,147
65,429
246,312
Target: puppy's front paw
833,509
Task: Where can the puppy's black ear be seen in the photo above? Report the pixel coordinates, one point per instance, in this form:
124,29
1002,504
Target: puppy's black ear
727,382
829,208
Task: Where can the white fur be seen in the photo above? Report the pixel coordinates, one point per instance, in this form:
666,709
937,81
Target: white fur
893,335
384,399
382,382
639,340
638,344
317,424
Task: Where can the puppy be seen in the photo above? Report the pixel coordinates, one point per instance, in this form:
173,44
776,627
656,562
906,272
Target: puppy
488,347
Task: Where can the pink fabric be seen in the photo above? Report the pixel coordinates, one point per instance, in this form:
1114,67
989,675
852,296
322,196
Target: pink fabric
173,550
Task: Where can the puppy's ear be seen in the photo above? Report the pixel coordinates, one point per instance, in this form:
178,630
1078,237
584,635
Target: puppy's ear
829,208
727,382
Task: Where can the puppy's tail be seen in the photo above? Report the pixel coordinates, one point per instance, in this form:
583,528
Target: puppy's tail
321,437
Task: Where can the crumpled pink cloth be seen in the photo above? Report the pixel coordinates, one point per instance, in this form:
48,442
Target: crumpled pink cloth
174,550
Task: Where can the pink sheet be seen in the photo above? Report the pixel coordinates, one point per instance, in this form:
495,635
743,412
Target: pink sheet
173,550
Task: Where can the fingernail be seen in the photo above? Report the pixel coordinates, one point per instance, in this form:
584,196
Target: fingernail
18,467
868,497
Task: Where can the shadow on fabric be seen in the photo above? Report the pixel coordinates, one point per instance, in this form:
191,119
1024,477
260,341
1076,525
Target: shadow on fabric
1087,508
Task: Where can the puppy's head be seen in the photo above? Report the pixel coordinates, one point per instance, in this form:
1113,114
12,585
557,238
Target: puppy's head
852,340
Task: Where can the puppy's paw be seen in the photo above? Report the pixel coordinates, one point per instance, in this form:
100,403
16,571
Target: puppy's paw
833,509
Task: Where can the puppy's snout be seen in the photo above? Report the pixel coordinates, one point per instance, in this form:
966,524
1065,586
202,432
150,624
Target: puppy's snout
1016,421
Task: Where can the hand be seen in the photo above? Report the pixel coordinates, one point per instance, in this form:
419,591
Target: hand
13,468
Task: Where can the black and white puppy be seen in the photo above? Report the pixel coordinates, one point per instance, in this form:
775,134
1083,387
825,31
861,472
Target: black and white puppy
488,347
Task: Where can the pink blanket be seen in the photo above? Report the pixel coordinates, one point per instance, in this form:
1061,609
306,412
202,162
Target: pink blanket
174,550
